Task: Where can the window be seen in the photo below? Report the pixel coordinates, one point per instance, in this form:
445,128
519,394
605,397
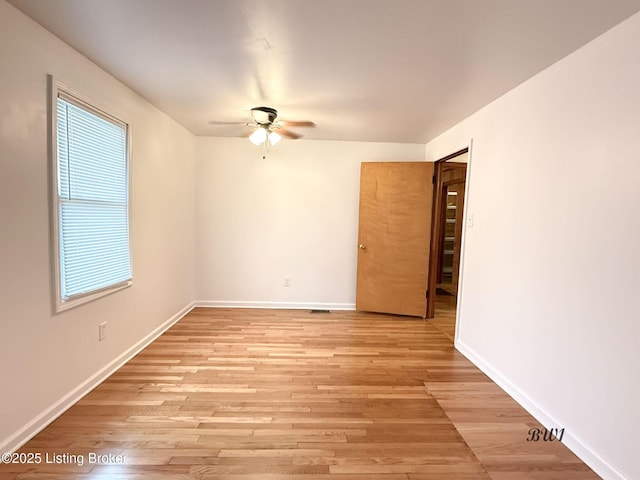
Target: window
91,200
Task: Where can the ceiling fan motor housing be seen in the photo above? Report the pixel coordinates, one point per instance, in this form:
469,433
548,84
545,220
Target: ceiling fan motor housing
264,115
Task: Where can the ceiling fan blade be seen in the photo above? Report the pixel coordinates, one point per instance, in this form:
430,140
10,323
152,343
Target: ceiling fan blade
287,133
216,122
298,123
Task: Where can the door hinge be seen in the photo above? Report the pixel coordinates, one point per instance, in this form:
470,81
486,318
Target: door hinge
433,179
427,294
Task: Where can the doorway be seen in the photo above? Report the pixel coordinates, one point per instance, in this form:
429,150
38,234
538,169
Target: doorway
410,235
450,175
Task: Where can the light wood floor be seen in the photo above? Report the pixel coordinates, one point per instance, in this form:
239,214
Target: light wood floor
230,394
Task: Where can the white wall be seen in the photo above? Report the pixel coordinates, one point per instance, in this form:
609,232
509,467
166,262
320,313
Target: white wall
46,357
551,267
293,214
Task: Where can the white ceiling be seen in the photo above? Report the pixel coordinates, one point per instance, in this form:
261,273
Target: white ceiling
367,70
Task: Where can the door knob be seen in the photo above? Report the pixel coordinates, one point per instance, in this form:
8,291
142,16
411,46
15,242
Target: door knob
362,246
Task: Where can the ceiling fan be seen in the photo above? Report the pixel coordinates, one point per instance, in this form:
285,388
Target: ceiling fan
268,129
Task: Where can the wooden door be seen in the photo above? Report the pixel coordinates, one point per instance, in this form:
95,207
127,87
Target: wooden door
393,237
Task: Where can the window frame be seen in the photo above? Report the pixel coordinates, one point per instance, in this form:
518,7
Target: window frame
58,89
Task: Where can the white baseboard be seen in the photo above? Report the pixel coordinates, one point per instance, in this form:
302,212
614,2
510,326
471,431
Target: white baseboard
31,429
282,305
583,451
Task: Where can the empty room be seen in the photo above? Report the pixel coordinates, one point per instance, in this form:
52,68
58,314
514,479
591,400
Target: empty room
332,240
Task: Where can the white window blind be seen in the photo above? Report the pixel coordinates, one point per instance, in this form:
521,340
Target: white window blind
93,210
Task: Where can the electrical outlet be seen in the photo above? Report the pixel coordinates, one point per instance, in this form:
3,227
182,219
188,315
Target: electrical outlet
287,281
102,331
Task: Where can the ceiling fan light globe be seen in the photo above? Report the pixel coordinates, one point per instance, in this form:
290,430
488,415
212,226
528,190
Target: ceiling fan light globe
258,137
274,138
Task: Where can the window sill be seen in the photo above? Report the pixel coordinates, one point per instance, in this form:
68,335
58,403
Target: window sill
62,306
